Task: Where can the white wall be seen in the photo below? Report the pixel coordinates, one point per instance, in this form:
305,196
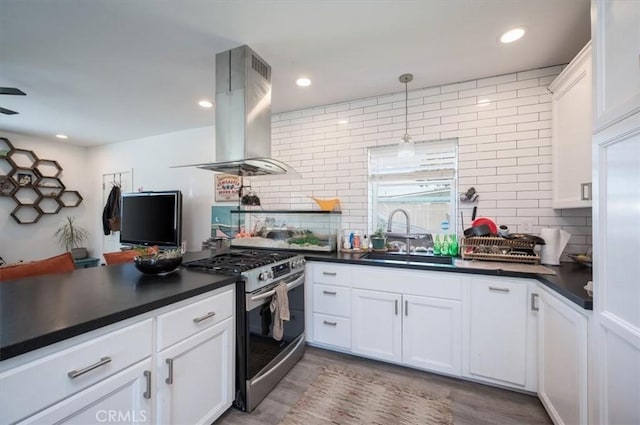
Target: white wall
150,159
34,241
504,150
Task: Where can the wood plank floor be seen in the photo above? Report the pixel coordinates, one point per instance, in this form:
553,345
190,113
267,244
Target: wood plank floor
473,404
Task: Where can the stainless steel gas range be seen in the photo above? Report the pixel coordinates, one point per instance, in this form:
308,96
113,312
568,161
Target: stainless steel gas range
261,361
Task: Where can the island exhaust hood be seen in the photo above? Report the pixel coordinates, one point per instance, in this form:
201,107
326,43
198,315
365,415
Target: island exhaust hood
243,116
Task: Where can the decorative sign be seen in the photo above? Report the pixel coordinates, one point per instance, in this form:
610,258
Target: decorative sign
227,187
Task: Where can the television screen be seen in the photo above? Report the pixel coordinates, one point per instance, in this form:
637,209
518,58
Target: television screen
151,218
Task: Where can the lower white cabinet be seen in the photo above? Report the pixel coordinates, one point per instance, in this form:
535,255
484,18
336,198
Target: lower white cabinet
431,334
562,360
114,375
195,379
501,332
122,398
376,324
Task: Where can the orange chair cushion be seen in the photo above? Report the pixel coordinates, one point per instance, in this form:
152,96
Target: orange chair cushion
59,264
120,257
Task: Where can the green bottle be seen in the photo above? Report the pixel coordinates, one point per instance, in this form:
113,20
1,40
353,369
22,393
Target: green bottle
444,247
436,246
453,246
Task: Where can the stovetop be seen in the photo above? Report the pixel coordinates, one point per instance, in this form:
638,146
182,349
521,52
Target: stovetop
258,268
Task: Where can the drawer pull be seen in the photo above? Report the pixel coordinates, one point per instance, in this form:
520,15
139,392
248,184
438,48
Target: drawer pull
330,323
329,273
75,373
169,379
396,307
496,289
205,317
406,307
147,377
329,292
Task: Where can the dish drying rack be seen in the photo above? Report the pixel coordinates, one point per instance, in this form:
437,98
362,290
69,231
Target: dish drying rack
499,249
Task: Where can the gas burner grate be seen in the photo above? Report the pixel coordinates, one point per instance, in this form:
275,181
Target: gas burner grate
238,262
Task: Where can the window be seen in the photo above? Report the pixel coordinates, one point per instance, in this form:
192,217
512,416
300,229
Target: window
424,186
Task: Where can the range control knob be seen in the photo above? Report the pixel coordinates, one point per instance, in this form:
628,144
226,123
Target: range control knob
264,276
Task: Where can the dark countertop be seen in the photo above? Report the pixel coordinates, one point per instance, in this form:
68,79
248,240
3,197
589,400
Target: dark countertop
569,280
39,311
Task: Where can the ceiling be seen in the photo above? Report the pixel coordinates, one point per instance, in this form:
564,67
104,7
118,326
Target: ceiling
104,71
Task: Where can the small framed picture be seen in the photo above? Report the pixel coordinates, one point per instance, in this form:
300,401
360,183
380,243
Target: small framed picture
227,187
24,179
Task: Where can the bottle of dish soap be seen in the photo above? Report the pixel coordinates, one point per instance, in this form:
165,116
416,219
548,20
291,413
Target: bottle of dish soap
365,244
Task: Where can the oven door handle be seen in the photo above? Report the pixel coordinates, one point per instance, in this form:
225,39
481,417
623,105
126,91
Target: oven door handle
290,285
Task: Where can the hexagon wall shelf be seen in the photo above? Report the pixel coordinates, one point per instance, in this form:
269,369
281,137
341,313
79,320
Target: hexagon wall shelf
34,184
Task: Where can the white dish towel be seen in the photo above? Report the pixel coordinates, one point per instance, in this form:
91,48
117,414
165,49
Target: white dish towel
280,310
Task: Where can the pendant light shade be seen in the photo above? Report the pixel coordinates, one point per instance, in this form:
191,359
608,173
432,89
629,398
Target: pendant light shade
405,147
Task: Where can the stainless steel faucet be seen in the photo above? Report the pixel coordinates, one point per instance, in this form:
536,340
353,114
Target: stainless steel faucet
400,237
406,214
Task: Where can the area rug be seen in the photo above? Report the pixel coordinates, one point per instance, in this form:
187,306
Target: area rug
347,397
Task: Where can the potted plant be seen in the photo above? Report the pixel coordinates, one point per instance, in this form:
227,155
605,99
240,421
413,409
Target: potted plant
378,240
71,236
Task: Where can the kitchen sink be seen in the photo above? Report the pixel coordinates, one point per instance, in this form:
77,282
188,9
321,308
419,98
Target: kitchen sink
412,258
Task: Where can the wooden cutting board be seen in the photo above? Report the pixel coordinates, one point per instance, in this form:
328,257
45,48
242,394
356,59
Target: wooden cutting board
498,265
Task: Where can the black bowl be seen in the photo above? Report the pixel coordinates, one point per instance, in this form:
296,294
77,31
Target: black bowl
151,264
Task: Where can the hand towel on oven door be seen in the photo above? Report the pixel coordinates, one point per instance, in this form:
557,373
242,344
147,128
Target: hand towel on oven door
280,308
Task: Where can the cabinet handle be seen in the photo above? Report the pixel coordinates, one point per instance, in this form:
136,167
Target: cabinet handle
396,307
205,317
147,376
585,192
329,273
330,323
406,307
75,373
169,379
534,302
329,292
496,289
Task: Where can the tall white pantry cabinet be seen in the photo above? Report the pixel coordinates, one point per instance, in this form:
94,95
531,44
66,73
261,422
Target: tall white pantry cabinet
614,387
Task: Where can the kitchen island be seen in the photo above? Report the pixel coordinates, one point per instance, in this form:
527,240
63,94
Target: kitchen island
107,341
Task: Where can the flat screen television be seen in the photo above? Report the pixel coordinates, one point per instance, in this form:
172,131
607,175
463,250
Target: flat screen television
151,218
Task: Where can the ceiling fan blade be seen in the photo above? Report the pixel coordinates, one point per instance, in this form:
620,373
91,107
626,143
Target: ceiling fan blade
12,90
7,111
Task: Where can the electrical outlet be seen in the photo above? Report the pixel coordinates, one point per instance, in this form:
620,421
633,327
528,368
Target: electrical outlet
527,225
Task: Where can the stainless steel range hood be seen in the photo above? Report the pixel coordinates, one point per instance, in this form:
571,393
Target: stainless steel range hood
243,116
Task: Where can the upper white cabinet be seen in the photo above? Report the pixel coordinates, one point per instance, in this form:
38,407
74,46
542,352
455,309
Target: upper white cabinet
616,39
562,360
572,117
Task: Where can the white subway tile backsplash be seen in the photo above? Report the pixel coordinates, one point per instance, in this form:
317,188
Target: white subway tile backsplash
504,149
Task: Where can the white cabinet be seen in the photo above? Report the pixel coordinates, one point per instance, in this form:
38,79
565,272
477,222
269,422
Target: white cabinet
114,375
616,41
499,333
571,106
431,330
562,360
402,316
122,398
195,379
72,370
377,324
614,355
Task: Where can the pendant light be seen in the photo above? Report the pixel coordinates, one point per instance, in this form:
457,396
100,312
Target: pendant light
405,147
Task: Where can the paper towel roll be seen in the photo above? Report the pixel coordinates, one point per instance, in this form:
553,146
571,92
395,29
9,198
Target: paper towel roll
555,242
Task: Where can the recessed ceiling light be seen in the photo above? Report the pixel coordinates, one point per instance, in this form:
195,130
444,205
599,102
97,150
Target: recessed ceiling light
303,82
62,136
343,122
484,102
512,35
205,103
